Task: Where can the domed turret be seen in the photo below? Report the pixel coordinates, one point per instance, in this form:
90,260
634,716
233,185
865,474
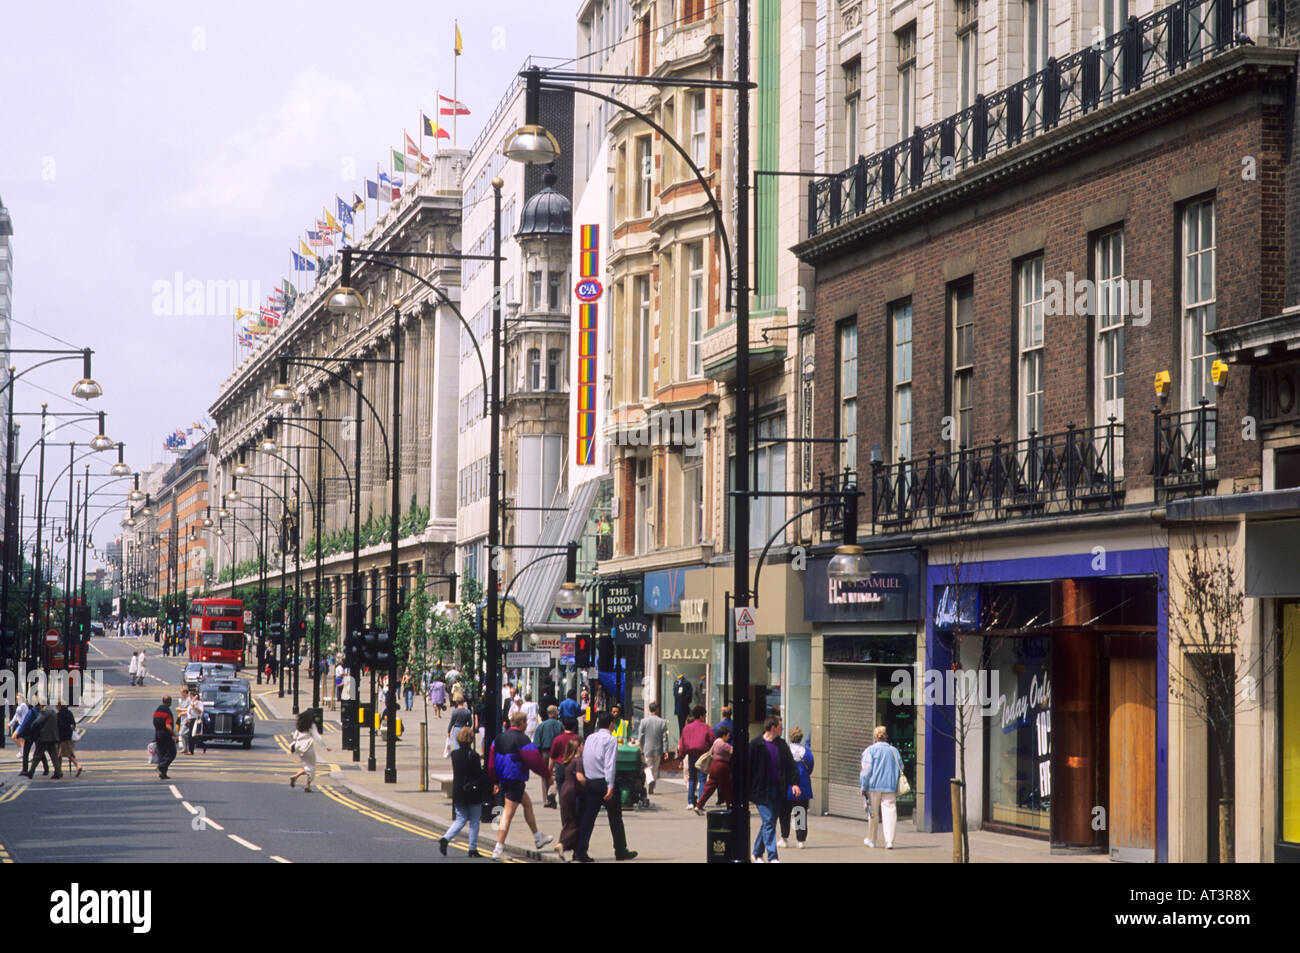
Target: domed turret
548,213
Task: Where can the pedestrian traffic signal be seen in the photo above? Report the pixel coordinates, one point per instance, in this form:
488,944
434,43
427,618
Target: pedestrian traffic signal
605,653
383,650
582,651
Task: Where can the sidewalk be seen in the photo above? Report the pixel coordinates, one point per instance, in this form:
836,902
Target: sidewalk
667,832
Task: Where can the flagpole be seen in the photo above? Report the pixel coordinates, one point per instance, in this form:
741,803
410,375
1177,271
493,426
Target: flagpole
455,69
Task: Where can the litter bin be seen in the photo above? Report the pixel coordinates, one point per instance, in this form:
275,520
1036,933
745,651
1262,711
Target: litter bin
351,726
630,775
718,847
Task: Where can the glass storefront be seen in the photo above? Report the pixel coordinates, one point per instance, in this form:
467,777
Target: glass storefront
1290,774
1018,734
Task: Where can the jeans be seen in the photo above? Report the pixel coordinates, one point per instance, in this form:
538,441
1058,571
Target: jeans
465,814
696,777
765,839
409,696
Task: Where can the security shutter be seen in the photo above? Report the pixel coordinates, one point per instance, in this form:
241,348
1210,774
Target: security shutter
852,704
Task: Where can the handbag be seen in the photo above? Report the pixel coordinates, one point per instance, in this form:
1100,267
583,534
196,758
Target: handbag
904,787
703,761
152,751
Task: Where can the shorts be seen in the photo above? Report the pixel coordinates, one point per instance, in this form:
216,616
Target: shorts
513,790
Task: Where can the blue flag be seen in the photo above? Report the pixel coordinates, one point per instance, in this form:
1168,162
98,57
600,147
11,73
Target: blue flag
302,263
345,211
372,189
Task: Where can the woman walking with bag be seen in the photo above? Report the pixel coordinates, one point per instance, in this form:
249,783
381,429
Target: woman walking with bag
803,765
468,789
305,740
882,767
570,810
719,771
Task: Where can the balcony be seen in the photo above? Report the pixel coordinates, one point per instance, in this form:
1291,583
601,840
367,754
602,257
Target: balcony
1183,459
1077,470
768,341
1183,34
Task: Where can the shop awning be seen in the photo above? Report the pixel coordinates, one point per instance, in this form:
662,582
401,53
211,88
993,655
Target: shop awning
536,588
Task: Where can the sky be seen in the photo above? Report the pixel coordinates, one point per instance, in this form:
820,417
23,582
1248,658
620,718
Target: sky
142,140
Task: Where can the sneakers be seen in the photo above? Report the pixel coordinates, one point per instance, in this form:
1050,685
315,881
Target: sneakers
442,846
889,847
541,840
867,841
758,859
780,842
775,860
800,844
498,851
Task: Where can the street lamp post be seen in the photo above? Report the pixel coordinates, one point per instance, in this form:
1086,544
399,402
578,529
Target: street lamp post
532,144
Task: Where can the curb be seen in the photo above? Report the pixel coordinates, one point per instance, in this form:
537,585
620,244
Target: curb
440,823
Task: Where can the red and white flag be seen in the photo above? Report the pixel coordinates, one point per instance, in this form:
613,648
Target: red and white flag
413,150
451,107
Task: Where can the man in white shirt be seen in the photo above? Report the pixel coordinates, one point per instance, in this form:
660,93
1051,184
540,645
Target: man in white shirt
134,668
599,761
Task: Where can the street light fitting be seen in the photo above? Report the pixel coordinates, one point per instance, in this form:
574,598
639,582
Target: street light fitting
135,494
242,469
532,144
87,388
849,564
121,468
147,510
281,392
223,514
101,442
207,518
233,496
569,601
345,301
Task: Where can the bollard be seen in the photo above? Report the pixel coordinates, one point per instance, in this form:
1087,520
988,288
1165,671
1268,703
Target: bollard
958,855
424,757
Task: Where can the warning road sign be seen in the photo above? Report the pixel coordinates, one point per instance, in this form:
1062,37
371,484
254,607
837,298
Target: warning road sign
744,624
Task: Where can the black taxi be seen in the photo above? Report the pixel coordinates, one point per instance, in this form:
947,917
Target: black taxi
227,711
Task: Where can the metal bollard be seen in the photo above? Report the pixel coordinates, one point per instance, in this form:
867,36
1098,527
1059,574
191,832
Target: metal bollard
424,757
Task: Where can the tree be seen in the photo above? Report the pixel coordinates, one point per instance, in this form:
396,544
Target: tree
1216,671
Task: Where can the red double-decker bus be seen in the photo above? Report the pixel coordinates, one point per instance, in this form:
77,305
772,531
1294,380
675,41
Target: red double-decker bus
217,631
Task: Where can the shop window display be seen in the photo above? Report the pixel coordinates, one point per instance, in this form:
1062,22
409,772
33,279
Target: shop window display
1019,734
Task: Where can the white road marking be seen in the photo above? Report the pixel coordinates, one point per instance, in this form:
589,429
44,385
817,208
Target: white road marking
190,807
243,843
280,860
175,792
95,648
213,824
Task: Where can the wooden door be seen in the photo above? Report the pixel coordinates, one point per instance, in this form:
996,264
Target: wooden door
1132,819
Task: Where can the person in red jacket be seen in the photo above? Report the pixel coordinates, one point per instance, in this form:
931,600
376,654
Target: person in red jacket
697,738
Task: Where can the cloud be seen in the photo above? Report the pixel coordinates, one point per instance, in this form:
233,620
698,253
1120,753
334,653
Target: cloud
254,174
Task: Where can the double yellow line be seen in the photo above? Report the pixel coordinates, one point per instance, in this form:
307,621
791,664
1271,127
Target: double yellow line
392,821
11,795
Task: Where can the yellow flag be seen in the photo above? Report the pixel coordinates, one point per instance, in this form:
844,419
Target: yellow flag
306,250
240,312
459,46
331,222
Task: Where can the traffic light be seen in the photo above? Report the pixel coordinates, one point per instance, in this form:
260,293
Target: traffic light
275,632
383,651
353,655
83,623
370,648
8,647
582,651
605,653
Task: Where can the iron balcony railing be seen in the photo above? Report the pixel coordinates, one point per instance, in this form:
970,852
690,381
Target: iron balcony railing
1075,470
1183,458
1183,34
830,521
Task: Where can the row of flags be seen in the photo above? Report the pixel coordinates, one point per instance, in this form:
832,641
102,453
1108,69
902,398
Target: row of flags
331,231
180,438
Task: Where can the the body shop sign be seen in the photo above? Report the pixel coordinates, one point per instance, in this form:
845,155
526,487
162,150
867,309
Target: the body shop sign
619,599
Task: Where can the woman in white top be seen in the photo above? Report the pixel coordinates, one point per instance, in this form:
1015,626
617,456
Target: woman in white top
305,740
183,721
529,708
141,670
195,729
16,721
